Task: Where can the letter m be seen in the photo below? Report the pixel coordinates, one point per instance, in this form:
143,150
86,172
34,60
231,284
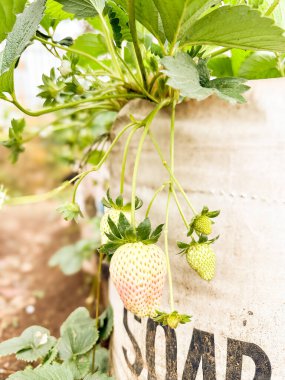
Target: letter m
202,347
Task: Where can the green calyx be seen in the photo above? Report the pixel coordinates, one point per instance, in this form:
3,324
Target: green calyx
118,204
124,233
203,239
171,319
202,223
70,211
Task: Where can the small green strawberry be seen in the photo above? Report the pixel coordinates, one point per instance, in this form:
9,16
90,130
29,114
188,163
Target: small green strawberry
115,208
200,256
138,266
202,223
202,259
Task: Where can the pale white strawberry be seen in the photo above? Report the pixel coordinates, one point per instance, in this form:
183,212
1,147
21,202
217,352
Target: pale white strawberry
104,226
138,271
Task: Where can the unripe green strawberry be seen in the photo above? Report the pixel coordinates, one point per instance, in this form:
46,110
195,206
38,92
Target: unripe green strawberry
202,259
104,226
173,321
138,271
203,224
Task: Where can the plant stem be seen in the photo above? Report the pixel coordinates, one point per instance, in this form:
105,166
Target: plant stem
39,197
71,104
133,29
147,122
97,310
103,159
61,127
75,51
144,91
154,79
173,178
126,150
179,208
171,298
110,45
172,131
159,190
220,51
272,7
172,136
42,197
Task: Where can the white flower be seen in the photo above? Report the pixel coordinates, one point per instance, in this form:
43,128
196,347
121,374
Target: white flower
3,196
65,68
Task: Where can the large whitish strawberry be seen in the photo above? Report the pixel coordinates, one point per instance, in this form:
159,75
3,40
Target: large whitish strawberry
113,212
138,271
138,265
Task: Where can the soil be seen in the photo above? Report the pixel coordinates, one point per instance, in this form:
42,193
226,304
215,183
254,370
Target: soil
31,293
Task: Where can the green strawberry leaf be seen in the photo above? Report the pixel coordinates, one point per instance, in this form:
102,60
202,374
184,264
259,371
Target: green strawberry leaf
55,11
221,67
177,16
78,334
8,11
102,360
193,80
119,21
24,29
148,15
79,366
106,324
46,372
244,28
70,258
92,44
184,76
81,9
230,89
51,356
260,66
98,376
34,343
6,79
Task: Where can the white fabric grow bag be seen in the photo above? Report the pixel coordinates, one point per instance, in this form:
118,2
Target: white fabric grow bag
230,158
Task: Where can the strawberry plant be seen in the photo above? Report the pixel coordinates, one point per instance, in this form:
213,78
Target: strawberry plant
165,52
71,356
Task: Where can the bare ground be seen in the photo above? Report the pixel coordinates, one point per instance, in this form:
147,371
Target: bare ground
31,292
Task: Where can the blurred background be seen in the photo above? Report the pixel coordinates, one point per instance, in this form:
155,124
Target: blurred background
30,290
